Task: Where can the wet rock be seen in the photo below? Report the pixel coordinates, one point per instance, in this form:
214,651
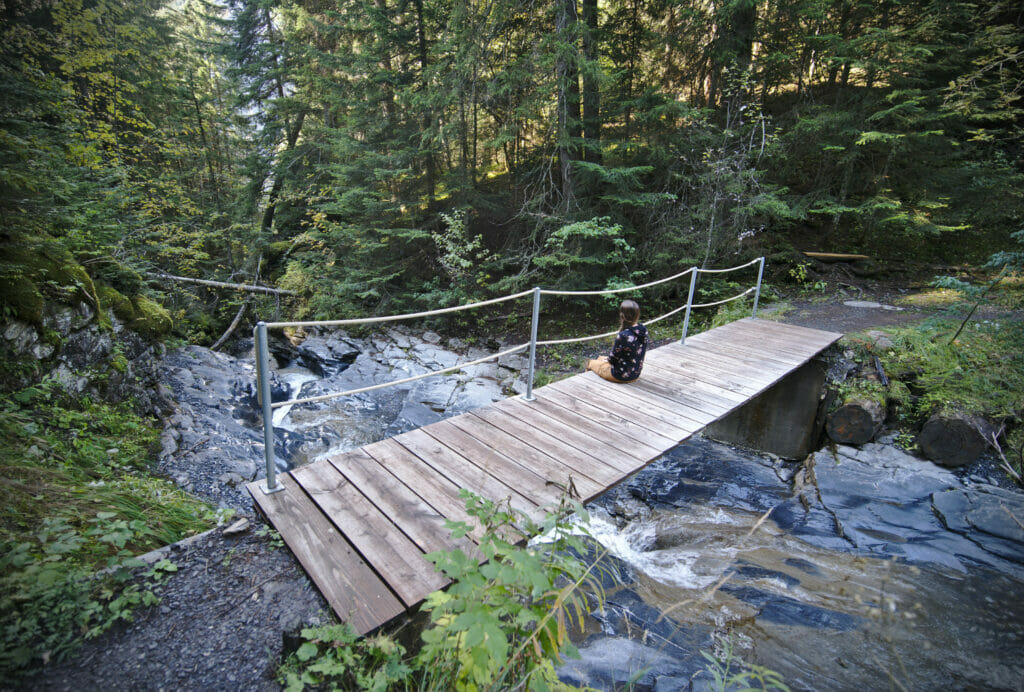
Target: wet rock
325,358
613,663
886,501
989,516
783,610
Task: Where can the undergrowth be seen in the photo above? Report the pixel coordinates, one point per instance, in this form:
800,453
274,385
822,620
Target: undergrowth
76,504
938,368
503,623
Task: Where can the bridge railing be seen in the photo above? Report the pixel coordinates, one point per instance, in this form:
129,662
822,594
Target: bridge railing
263,351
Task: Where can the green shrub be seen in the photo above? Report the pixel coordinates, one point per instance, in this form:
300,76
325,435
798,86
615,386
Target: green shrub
501,624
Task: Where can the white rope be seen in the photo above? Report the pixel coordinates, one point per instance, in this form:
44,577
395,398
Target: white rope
394,318
731,269
727,300
457,308
460,366
557,342
549,292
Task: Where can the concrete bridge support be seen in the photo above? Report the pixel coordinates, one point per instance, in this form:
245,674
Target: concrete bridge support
786,420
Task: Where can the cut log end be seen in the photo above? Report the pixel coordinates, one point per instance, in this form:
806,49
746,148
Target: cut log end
952,440
855,422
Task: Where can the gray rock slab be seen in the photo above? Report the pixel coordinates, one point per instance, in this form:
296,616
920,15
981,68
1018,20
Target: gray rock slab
884,500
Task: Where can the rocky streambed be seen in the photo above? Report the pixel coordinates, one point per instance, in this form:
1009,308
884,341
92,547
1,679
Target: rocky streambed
213,442
855,569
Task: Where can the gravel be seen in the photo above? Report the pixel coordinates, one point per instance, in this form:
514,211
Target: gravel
219,624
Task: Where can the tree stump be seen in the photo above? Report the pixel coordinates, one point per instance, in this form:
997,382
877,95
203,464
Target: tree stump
953,439
857,421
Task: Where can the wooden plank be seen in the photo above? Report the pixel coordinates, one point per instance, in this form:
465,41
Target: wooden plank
836,256
778,335
356,594
755,361
551,469
597,424
434,488
749,345
782,333
706,395
576,450
598,390
414,516
394,557
702,378
645,396
460,471
584,436
701,411
580,466
625,426
705,365
500,465
693,365
655,404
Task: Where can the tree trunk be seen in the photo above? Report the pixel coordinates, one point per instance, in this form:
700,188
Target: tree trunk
857,421
953,439
428,119
267,224
567,70
591,85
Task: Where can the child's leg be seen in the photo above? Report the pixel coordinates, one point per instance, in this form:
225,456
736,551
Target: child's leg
603,368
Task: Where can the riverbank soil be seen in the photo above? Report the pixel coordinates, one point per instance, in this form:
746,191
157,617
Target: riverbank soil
223,614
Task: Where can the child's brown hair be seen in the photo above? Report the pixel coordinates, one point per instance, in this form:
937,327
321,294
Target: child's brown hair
629,313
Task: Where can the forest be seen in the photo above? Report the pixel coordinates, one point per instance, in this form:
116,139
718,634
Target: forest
372,157
379,155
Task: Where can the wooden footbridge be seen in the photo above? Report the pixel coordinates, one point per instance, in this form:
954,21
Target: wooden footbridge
360,522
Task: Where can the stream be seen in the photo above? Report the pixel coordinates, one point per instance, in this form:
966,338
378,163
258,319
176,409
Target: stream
861,569
857,569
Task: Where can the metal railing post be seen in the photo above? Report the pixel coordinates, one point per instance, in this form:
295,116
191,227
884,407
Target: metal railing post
533,344
757,293
689,302
263,397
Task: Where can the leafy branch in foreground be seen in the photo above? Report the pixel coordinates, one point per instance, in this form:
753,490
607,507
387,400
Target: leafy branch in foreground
503,623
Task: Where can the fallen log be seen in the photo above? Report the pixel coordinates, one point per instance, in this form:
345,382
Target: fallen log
953,439
836,256
222,284
856,421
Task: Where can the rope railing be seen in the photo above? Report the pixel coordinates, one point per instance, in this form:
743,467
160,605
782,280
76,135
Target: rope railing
413,378
610,291
396,318
263,351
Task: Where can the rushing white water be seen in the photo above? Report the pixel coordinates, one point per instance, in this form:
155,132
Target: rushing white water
294,377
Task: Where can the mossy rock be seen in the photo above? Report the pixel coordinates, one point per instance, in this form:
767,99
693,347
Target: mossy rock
22,298
151,318
109,271
112,300
34,271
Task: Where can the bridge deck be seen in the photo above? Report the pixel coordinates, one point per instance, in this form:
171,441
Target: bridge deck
361,521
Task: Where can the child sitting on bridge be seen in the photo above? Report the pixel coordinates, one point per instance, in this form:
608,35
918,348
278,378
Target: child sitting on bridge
626,360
